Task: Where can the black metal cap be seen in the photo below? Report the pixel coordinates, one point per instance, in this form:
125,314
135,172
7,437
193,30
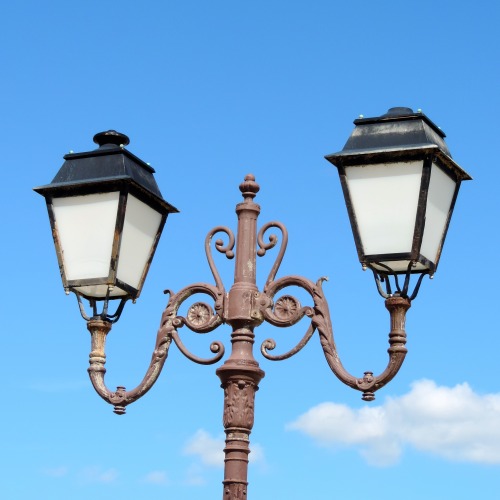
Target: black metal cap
109,165
398,135
111,137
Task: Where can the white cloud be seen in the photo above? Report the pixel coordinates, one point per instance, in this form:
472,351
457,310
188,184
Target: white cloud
60,471
207,448
156,477
210,449
451,422
194,476
97,475
256,454
87,474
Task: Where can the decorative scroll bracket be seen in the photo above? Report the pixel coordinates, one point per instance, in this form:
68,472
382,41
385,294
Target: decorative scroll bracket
244,308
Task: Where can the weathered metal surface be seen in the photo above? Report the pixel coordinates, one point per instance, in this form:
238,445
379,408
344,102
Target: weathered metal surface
110,168
244,308
399,136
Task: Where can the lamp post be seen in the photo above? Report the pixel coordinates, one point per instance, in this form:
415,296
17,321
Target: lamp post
106,220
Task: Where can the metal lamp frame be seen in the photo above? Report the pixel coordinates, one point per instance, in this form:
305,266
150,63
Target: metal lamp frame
110,168
398,136
244,307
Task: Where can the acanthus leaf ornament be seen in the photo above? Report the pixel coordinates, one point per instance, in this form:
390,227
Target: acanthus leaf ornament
239,404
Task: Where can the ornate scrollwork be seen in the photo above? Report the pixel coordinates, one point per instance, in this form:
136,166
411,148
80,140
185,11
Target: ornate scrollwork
273,239
369,383
199,314
287,312
121,398
244,308
201,319
239,404
286,307
219,245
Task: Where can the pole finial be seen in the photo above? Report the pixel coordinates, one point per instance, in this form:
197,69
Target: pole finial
249,188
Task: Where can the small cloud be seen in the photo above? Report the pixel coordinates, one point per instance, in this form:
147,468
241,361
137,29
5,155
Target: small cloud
208,449
256,454
60,471
453,423
97,475
156,477
194,476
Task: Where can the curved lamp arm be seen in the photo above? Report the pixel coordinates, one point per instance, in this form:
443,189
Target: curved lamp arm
121,398
167,332
200,319
287,311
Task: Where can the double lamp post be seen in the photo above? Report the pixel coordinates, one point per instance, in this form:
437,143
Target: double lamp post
107,214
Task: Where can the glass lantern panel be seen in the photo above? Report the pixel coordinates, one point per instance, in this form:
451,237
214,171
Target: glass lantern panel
86,228
384,199
100,291
439,199
399,266
139,233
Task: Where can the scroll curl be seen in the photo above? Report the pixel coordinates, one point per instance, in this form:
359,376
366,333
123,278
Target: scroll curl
167,332
273,239
201,318
320,321
219,245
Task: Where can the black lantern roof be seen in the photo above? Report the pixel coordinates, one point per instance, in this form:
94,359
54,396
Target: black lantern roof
399,135
103,168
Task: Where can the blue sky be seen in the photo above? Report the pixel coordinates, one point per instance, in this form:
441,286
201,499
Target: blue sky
208,92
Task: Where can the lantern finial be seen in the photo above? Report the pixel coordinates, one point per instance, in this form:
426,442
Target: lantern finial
399,111
111,137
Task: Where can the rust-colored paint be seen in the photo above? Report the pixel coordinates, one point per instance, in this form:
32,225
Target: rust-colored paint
244,308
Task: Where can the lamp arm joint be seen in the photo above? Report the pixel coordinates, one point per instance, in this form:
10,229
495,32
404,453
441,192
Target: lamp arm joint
121,398
369,383
200,318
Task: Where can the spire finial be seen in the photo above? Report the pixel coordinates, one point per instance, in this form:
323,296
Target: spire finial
249,188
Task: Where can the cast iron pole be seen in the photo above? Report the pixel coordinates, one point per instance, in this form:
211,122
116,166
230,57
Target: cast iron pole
240,374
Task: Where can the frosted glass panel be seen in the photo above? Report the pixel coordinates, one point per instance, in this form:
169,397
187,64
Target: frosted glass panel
86,227
139,232
100,291
399,266
385,198
441,191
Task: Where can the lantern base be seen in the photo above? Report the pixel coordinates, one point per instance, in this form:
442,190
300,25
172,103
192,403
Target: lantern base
103,315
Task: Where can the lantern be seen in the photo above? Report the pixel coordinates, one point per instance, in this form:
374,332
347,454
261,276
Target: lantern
107,215
400,185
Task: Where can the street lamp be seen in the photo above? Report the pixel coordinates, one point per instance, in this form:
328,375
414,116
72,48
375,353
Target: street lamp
400,185
107,215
